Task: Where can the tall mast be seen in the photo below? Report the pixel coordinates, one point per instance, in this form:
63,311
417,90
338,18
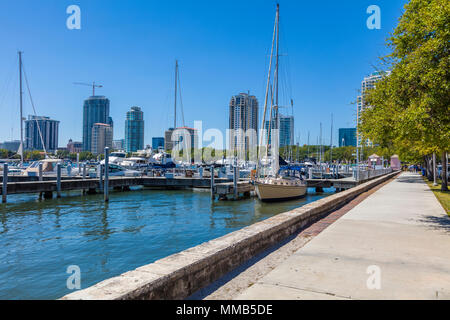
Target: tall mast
276,68
175,106
21,107
331,140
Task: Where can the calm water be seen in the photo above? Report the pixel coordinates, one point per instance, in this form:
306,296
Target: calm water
40,239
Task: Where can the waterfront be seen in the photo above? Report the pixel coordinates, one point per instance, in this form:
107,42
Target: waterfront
42,238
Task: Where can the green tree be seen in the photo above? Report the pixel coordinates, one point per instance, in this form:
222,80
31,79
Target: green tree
410,113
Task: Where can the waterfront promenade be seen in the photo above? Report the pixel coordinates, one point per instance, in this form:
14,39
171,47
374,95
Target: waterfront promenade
400,233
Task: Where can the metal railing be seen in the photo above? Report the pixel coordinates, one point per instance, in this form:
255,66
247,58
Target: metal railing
362,175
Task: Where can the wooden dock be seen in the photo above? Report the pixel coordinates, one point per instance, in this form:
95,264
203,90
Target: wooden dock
46,188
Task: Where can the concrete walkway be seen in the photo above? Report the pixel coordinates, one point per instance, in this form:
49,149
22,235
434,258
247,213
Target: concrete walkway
393,245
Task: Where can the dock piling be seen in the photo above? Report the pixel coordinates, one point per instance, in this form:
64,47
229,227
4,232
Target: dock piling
58,180
5,182
235,180
105,185
100,177
84,171
40,171
212,182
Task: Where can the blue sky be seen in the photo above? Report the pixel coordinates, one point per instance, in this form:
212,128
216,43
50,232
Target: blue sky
222,46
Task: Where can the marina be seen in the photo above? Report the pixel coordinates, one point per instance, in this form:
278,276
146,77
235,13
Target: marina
42,238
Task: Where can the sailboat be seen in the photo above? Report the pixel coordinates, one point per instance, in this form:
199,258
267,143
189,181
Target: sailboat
285,184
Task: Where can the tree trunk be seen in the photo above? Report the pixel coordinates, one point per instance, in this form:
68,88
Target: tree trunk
444,185
429,169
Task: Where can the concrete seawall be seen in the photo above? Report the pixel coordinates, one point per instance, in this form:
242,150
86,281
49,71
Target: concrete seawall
181,274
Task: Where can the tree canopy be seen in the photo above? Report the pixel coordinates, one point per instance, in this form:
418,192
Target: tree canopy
410,112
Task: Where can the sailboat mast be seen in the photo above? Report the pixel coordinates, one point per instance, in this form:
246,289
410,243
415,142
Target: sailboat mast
21,107
276,67
175,106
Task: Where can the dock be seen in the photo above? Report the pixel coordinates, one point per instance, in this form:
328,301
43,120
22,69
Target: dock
94,185
223,188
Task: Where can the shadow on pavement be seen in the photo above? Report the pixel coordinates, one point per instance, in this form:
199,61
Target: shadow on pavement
437,223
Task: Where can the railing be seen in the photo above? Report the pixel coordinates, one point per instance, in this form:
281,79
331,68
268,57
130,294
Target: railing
362,175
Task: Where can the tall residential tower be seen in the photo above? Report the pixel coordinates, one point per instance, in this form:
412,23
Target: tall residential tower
243,114
134,130
41,129
95,110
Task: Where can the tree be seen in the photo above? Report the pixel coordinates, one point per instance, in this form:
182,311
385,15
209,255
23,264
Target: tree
410,113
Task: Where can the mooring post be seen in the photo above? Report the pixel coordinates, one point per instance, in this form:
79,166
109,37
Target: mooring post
105,186
100,174
5,182
84,171
58,180
78,162
40,171
310,173
212,182
235,180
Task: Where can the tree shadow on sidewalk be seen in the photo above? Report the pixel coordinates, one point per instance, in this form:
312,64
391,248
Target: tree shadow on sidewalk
437,223
410,179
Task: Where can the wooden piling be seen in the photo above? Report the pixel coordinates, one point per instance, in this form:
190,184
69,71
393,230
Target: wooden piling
212,183
5,182
58,180
106,185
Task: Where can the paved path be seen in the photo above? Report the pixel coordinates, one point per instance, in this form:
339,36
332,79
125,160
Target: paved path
401,231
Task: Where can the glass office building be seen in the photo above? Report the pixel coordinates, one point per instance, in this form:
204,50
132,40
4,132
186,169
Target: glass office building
347,137
157,142
95,110
286,133
134,130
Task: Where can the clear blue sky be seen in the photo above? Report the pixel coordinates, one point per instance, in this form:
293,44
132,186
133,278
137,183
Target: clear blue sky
130,47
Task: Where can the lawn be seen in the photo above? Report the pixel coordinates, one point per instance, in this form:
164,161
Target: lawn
443,197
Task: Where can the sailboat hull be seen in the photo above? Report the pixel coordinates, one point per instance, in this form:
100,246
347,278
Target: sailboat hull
274,192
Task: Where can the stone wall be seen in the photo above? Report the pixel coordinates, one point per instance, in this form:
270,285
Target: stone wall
180,275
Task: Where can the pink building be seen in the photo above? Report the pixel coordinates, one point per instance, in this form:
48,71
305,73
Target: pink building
395,162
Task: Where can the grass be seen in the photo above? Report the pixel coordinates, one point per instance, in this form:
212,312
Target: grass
442,196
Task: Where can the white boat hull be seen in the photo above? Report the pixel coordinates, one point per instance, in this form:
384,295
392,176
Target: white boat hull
279,192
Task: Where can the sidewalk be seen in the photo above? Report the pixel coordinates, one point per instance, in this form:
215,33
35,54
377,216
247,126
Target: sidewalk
400,230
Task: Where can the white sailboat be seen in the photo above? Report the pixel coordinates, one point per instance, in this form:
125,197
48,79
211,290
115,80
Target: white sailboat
277,187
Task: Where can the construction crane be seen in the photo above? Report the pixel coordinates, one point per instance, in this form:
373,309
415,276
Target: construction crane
93,85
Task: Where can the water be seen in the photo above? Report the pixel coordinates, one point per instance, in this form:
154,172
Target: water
40,239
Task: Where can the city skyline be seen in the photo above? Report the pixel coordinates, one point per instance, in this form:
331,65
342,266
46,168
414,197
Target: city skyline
209,66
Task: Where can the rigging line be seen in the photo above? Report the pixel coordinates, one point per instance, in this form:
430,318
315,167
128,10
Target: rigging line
34,109
267,90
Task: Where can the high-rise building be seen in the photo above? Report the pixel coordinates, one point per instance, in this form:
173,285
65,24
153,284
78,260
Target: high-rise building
179,135
118,144
243,114
95,110
286,133
40,129
12,146
367,84
102,137
134,130
347,137
74,146
157,142
168,144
